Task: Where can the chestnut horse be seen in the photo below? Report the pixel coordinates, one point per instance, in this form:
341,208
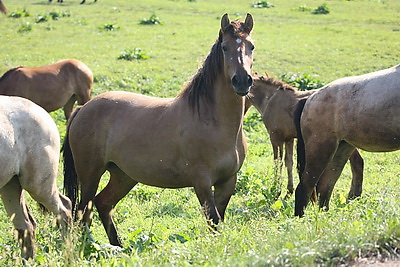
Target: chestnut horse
3,8
193,140
52,86
349,113
276,101
30,150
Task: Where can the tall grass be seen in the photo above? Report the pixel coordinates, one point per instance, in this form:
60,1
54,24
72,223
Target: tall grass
166,227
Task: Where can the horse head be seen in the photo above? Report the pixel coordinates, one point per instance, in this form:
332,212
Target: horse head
237,49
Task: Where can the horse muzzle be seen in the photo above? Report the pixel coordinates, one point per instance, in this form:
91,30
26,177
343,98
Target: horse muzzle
241,84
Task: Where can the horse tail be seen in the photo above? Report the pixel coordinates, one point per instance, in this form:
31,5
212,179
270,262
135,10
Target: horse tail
301,153
71,182
301,149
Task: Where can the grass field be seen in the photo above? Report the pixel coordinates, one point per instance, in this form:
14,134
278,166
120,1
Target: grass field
166,227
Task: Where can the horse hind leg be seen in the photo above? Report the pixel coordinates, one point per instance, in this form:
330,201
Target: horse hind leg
318,156
289,166
277,147
117,188
55,202
24,223
357,170
332,173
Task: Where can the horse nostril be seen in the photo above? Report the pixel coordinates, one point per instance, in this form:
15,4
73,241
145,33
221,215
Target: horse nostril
249,80
235,81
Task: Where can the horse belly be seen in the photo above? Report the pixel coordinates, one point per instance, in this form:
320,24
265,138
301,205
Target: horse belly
375,129
158,172
375,139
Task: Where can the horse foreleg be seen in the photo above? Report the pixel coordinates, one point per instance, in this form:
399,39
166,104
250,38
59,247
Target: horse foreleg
357,170
318,156
289,166
332,173
14,203
206,198
118,186
222,195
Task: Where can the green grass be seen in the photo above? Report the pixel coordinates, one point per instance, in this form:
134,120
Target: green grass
166,227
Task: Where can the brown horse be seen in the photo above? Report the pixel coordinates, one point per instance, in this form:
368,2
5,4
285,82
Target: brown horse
353,112
276,101
3,8
193,140
51,86
61,1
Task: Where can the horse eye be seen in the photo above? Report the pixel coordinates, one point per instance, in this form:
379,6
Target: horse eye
224,48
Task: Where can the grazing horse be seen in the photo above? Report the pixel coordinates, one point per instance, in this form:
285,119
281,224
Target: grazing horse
192,140
3,8
83,1
353,112
51,86
61,1
29,145
276,101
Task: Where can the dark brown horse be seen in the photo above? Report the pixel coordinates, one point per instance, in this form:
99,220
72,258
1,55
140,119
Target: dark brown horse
276,101
61,1
193,140
52,86
3,8
353,112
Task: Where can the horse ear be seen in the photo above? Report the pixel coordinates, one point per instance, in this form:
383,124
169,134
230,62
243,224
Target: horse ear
249,23
224,22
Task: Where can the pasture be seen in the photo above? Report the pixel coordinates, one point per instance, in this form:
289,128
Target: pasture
166,227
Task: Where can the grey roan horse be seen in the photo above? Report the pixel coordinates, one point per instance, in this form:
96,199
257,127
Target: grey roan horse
30,149
354,112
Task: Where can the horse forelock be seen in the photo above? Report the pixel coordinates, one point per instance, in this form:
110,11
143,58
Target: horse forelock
7,73
237,29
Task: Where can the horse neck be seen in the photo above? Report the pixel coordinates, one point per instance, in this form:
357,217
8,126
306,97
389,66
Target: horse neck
260,94
228,107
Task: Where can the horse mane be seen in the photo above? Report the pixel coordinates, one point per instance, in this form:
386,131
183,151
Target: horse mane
201,85
7,73
280,84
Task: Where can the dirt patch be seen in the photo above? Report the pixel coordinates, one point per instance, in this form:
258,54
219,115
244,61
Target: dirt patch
360,262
